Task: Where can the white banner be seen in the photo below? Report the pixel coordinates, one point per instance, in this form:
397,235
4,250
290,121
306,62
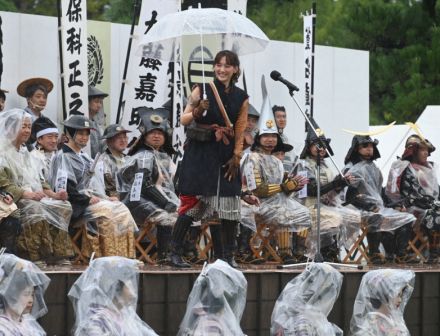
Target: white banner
179,135
74,55
309,46
147,81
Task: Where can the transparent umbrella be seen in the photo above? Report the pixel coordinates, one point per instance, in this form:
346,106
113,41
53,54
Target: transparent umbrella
223,28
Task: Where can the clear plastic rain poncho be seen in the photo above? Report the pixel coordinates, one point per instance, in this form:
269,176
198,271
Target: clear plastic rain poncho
216,303
305,302
417,185
336,220
368,182
104,299
380,303
276,210
88,177
24,171
20,283
149,168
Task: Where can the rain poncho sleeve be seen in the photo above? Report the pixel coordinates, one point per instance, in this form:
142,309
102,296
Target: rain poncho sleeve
366,194
19,278
266,172
216,302
104,299
148,186
304,304
380,303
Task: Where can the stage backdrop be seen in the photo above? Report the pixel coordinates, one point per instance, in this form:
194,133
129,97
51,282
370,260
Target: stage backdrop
30,48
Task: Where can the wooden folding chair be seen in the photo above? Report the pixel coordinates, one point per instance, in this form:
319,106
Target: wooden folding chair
359,250
260,242
79,230
147,230
204,242
418,243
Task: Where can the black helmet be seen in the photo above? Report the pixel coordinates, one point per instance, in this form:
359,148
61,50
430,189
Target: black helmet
43,126
94,93
253,112
152,119
78,121
311,138
358,140
282,147
112,130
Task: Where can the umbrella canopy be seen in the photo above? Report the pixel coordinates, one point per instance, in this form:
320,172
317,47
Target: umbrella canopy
227,29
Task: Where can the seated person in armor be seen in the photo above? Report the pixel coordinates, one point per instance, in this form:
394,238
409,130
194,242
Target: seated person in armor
22,287
338,223
264,176
109,224
44,214
216,302
9,222
365,192
104,299
380,303
114,158
306,301
413,180
147,177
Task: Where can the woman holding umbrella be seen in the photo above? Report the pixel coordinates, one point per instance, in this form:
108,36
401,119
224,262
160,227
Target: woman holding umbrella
209,179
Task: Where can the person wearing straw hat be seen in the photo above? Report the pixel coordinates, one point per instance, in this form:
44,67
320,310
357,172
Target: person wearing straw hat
264,176
22,287
413,180
385,224
35,90
209,179
97,119
113,157
2,99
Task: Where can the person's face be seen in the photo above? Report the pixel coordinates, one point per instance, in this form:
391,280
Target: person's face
422,154
366,151
26,300
25,131
251,123
224,72
280,155
38,100
2,104
280,119
155,139
48,142
95,104
118,143
314,151
268,142
81,138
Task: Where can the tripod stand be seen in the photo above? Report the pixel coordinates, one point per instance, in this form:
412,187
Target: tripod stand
320,145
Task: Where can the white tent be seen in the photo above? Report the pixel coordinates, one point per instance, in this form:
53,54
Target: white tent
392,142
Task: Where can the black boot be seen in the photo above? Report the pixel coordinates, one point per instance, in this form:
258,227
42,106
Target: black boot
217,241
180,229
402,237
163,241
245,254
190,247
10,229
229,233
299,246
374,254
434,246
389,245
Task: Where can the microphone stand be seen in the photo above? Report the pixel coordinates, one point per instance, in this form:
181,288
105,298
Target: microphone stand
321,145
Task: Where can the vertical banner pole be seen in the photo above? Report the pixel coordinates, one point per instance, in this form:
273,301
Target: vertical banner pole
60,47
309,60
124,76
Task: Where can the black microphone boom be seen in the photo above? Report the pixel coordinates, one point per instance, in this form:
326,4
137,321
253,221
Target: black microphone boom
276,76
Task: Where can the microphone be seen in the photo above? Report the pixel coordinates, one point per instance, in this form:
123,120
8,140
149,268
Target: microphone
276,76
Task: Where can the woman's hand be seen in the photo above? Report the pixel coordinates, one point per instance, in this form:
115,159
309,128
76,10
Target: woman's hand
36,196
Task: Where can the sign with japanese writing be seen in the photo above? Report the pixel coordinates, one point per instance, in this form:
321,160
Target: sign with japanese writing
147,77
74,55
309,50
